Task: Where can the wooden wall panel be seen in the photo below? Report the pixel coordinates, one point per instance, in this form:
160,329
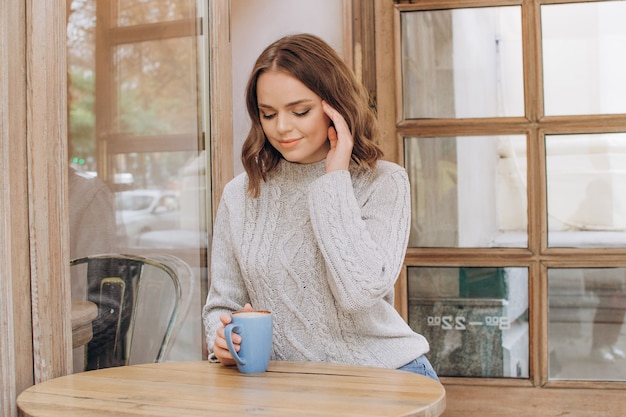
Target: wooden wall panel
385,76
15,324
221,106
503,401
35,333
46,138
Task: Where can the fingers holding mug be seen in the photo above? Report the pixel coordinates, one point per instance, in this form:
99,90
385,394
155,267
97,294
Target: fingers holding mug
220,347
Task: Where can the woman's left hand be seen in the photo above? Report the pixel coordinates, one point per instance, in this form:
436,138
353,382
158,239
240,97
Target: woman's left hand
341,141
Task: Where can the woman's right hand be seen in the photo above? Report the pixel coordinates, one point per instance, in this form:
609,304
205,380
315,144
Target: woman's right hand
220,349
340,138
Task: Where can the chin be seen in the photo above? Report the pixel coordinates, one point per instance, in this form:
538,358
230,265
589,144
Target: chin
293,160
289,156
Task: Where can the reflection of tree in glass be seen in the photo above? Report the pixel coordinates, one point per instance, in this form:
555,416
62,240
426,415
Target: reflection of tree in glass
80,63
157,87
156,79
81,21
137,12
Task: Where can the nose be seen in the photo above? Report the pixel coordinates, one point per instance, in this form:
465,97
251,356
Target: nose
283,124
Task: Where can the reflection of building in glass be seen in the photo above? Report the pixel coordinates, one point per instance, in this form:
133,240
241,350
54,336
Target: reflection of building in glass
475,319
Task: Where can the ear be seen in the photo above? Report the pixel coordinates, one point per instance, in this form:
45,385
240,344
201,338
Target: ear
332,133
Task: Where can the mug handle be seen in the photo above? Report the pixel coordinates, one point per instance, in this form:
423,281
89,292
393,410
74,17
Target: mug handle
228,335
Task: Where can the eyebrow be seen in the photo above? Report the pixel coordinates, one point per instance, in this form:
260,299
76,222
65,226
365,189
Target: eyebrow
293,103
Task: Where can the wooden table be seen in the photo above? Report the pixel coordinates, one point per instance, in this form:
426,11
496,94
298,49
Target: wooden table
208,389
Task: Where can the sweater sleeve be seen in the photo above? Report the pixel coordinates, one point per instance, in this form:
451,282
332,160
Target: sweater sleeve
227,291
363,241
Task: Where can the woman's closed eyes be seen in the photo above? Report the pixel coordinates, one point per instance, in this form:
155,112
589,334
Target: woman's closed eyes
296,113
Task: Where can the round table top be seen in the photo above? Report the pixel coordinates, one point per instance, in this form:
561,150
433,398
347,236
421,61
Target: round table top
203,388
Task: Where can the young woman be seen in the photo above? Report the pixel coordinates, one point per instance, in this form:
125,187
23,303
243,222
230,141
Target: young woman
316,228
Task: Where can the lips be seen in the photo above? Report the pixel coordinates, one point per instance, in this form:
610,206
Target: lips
289,143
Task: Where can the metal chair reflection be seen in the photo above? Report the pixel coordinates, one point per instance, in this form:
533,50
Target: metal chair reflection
139,300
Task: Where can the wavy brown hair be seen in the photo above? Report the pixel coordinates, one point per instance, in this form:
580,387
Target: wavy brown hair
317,65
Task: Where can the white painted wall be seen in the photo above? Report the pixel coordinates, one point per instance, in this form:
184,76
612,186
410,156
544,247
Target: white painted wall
257,23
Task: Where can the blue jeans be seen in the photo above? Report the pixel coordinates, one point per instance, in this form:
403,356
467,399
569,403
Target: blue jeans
420,366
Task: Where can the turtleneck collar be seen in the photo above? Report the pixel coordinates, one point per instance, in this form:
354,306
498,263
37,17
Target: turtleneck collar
299,172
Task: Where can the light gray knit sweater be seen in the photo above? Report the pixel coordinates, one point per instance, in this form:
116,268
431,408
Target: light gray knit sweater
322,252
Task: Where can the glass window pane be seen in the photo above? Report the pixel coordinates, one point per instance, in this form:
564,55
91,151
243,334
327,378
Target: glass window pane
475,319
156,196
583,59
467,191
136,12
137,177
157,84
586,336
586,195
462,63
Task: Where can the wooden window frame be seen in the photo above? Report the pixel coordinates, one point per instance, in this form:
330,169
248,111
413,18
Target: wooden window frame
108,37
467,396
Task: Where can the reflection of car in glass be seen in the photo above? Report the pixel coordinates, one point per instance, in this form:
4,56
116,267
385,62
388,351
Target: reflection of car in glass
142,211
174,239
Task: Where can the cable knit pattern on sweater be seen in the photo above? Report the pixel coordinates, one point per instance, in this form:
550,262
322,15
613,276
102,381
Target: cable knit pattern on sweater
322,252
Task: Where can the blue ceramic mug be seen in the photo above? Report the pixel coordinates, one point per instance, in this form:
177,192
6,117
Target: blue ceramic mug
255,329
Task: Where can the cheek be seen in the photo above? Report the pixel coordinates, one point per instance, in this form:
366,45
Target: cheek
318,128
265,126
